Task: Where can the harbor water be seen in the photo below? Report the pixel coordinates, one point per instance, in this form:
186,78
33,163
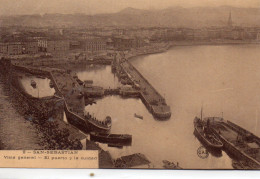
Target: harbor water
100,74
223,79
42,89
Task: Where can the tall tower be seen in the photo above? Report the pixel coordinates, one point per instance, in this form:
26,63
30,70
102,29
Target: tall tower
230,20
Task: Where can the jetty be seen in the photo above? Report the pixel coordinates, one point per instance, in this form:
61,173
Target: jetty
152,99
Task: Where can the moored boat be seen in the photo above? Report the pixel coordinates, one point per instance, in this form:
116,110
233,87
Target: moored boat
204,134
33,83
111,138
138,116
96,124
119,146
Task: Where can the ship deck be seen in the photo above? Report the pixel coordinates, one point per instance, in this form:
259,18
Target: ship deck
252,149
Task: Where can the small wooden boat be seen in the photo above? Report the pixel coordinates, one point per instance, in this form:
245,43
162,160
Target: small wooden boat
111,138
138,116
205,135
33,84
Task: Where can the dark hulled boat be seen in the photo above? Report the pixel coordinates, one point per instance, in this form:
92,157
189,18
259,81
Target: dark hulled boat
33,84
88,123
204,134
111,138
51,84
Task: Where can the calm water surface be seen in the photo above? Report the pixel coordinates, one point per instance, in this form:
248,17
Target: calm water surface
100,74
221,78
42,86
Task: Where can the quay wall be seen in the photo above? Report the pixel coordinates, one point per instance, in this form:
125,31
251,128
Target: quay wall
30,70
55,85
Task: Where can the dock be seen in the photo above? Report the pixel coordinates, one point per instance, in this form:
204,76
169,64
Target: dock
152,99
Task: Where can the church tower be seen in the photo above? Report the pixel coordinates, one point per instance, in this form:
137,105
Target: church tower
230,20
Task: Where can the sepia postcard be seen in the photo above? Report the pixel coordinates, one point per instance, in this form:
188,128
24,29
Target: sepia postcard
149,84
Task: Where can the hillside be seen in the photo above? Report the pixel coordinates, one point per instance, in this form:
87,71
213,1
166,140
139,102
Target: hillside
170,17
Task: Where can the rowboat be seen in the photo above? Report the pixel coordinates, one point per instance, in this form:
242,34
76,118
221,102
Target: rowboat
138,116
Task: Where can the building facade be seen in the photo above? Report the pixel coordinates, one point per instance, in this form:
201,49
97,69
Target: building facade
53,45
95,45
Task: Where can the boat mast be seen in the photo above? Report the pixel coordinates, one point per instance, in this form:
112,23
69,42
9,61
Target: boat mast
201,113
256,120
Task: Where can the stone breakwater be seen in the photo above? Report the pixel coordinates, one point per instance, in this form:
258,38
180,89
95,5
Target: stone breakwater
152,99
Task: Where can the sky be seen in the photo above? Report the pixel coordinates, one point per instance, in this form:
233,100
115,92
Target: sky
18,7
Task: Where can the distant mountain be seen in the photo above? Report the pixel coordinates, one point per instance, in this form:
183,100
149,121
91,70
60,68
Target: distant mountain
132,11
171,17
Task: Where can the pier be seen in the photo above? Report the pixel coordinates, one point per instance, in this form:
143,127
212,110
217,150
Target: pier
154,101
